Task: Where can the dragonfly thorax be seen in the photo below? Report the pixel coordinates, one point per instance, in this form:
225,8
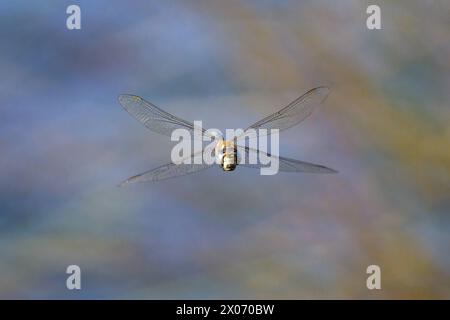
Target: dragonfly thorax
226,154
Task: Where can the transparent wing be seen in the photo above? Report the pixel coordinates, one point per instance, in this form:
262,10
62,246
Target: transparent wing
170,170
153,117
295,112
285,164
167,171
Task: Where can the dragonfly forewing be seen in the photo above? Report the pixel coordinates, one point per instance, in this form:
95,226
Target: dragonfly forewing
156,119
292,114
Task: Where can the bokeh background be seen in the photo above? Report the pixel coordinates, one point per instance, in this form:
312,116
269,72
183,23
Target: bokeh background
65,144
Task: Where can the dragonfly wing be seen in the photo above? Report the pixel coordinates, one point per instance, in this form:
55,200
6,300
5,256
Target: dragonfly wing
164,172
285,164
170,170
153,117
295,112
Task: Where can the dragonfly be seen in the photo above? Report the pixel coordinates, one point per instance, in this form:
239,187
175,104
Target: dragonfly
228,151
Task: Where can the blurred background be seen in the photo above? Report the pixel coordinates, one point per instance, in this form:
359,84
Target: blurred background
66,143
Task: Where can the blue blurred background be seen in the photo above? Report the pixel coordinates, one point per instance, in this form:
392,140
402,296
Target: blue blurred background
66,143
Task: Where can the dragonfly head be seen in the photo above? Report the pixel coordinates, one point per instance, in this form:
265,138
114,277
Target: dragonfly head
226,154
229,162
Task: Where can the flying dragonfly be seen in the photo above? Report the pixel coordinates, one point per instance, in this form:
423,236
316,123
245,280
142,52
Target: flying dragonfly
227,151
